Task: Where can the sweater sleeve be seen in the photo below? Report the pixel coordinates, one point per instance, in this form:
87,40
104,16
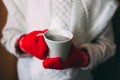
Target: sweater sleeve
102,48
15,25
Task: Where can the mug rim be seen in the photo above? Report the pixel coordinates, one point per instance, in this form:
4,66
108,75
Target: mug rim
56,30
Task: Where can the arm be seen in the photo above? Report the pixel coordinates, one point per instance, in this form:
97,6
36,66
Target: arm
15,26
102,48
15,38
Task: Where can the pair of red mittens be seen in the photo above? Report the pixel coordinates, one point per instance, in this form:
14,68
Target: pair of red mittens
34,44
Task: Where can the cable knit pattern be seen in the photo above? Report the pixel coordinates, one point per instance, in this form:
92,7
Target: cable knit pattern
61,13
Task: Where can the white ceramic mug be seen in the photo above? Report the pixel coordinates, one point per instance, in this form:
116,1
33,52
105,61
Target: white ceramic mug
59,42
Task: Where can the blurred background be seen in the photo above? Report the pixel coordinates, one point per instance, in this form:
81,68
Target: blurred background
110,70
7,61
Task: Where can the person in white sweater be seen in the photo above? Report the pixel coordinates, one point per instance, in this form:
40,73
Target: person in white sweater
88,20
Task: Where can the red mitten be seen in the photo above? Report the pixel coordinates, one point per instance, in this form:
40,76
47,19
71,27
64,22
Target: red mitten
76,59
34,44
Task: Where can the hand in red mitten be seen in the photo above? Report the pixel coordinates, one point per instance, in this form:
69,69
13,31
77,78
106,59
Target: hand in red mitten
76,59
34,44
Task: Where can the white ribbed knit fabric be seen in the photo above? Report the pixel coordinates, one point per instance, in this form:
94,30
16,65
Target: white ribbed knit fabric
79,22
60,13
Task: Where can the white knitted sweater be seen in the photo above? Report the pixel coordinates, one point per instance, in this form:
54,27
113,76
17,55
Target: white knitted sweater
88,20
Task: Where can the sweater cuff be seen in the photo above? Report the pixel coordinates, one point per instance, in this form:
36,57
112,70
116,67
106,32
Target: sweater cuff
86,57
19,51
